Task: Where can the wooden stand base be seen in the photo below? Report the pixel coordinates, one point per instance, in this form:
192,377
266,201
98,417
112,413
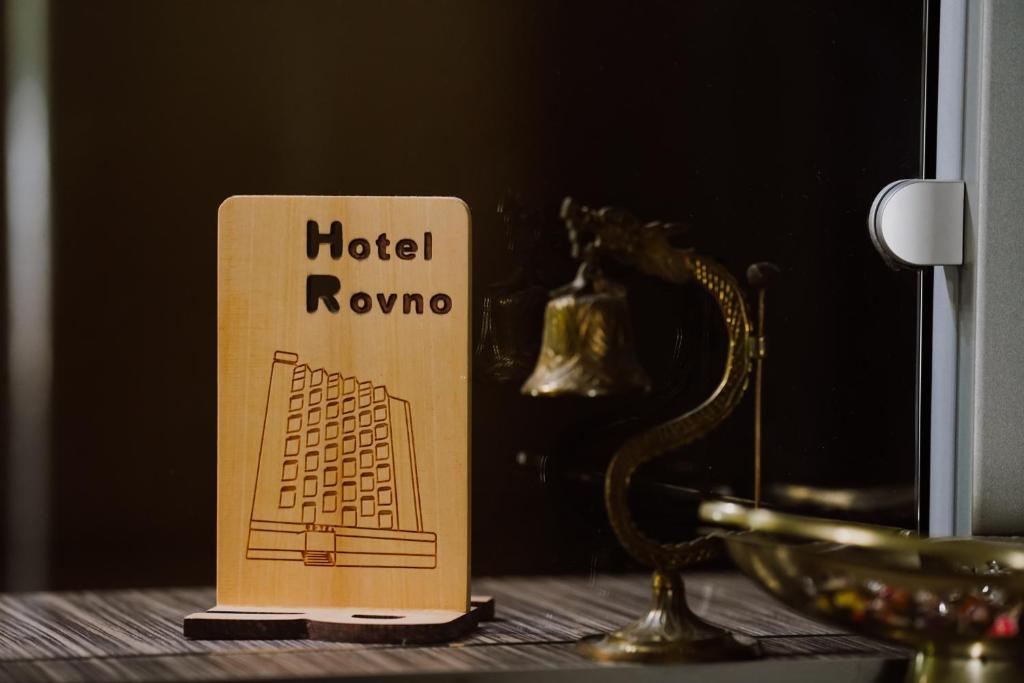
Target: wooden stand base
227,622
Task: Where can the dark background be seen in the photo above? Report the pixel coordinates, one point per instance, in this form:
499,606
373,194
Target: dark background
767,127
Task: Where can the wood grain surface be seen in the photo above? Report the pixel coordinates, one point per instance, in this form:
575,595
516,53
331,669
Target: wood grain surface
343,402
136,635
351,625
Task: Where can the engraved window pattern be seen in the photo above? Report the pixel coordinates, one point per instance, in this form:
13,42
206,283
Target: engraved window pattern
364,429
337,481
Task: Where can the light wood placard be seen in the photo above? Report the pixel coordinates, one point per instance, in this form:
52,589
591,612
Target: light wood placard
343,403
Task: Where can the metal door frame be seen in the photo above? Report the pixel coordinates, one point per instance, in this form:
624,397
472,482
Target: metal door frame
976,454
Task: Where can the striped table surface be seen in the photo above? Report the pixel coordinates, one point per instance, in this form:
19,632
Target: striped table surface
135,635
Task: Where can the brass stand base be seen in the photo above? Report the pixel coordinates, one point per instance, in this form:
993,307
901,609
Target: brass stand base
668,632
935,669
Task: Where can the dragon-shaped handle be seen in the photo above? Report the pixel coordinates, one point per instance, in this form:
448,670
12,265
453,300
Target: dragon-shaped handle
647,248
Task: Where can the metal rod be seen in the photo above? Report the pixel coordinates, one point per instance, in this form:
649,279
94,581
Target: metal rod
758,395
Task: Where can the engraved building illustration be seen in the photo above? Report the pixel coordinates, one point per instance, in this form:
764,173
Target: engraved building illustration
337,483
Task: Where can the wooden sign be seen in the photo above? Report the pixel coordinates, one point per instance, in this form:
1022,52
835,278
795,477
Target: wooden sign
343,410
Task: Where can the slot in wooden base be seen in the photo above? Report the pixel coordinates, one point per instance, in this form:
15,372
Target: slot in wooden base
352,625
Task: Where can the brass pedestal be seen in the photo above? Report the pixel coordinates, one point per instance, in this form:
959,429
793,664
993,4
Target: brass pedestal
937,669
668,632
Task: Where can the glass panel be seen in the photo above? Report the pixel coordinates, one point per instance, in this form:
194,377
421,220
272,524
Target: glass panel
766,128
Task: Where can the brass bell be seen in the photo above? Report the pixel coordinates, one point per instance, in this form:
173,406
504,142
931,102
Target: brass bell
587,345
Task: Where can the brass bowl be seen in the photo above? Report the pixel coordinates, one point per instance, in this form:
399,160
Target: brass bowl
958,603
899,543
